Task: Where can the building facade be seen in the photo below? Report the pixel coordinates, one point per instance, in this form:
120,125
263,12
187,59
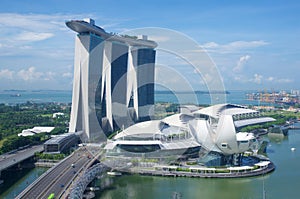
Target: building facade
213,136
113,83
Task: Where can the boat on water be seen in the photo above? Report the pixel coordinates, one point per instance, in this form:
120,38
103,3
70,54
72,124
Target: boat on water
16,95
293,149
113,173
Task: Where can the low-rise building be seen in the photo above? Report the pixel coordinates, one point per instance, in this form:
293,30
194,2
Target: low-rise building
61,143
36,130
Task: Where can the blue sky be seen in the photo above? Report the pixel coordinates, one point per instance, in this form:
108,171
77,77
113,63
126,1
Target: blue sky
254,44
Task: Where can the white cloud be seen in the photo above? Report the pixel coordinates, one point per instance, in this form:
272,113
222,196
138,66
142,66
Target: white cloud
6,74
285,80
241,63
239,78
279,80
246,44
257,79
235,46
22,30
210,45
34,22
33,36
29,74
49,76
67,74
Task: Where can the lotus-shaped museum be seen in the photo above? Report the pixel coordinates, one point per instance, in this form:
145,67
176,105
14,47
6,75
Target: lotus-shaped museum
211,134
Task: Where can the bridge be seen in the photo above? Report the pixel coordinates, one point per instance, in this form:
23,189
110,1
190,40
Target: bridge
15,157
59,178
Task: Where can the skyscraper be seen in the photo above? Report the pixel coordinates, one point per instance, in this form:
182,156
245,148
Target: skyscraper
113,80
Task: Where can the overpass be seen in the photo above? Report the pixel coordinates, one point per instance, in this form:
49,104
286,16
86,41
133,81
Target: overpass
58,179
10,159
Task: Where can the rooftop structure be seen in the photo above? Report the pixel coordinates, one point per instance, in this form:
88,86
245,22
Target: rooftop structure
57,115
88,26
36,130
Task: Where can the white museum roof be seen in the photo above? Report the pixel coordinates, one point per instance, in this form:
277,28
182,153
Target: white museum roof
179,120
252,121
148,127
224,109
36,130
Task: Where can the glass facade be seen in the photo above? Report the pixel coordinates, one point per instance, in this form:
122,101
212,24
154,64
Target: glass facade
140,148
100,103
145,81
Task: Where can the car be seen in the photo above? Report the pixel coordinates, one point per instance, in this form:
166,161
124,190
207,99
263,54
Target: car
51,196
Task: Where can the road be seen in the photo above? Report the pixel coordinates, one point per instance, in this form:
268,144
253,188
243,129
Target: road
57,179
8,160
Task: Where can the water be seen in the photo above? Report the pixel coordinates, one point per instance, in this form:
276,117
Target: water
234,97
22,96
12,97
16,181
282,183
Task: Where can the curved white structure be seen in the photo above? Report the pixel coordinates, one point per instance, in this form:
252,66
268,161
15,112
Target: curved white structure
215,129
223,123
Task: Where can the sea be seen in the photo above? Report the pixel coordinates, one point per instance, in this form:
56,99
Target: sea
12,97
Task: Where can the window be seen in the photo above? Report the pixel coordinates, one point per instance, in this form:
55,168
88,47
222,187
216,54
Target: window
224,145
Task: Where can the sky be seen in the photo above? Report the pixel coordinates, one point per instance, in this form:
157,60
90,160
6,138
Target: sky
253,44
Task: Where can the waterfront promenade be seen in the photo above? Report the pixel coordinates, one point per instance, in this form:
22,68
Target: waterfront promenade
263,166
209,172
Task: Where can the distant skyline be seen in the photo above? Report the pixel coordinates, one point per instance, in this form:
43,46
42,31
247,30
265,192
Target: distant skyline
255,44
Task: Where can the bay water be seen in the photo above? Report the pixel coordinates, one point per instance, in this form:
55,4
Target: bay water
12,97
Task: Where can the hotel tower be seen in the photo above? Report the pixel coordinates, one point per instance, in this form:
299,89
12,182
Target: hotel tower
113,85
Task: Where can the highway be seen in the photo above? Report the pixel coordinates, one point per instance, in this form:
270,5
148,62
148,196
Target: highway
8,160
58,178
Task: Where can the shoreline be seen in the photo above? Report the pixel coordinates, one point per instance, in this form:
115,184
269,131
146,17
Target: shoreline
242,174
264,166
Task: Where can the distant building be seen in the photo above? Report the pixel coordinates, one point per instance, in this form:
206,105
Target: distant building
295,92
113,80
36,130
58,114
